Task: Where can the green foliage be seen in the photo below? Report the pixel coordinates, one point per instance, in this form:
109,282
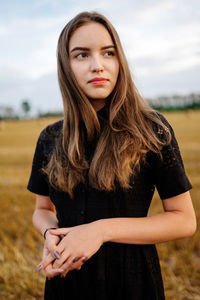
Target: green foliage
26,107
175,102
50,114
177,108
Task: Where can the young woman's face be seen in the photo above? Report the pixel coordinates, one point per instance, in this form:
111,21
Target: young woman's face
94,61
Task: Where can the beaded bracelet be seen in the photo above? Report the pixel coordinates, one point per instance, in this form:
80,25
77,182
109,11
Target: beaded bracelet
47,230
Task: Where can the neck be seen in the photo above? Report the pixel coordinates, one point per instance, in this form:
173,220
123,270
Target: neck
97,103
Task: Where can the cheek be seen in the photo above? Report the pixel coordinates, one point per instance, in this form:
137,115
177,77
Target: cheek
115,67
78,73
116,71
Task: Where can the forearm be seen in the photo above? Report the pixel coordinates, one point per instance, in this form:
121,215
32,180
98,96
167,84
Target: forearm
147,230
43,219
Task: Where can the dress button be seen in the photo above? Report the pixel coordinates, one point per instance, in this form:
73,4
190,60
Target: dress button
82,212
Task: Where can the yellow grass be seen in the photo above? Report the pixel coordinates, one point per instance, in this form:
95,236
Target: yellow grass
21,246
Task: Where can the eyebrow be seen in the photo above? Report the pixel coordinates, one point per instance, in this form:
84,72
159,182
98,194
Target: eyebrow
88,49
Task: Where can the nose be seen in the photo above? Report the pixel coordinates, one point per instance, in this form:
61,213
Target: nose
96,64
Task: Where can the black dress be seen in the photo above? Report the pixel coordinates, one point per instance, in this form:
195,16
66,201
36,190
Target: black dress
117,271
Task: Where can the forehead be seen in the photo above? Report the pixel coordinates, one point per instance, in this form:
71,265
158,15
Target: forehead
90,35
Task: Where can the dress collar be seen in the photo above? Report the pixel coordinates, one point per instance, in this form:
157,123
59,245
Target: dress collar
103,112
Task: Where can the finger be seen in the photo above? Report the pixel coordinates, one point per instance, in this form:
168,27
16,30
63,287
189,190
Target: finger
52,249
38,268
53,273
76,259
56,254
62,260
53,240
77,264
63,275
73,264
59,231
45,262
50,272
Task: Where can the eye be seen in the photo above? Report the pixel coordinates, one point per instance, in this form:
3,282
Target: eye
109,53
81,56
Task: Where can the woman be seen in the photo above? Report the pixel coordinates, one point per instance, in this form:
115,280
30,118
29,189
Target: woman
98,169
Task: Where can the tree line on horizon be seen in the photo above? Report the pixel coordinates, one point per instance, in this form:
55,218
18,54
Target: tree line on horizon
160,103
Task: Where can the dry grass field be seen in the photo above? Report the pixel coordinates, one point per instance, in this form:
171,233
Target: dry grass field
21,245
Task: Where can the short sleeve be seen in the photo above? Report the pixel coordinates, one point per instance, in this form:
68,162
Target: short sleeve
169,173
38,182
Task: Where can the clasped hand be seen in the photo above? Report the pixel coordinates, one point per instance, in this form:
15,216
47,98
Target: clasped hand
77,245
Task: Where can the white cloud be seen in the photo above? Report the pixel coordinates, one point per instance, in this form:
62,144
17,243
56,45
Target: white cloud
30,45
151,14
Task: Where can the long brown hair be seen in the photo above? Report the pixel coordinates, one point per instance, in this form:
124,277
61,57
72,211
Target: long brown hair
122,143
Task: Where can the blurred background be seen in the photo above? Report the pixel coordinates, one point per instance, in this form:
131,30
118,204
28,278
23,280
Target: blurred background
161,40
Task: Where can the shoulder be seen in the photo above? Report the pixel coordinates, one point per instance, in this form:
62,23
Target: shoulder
160,119
161,127
48,137
51,132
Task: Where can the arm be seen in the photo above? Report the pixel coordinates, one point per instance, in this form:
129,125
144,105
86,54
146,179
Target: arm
177,221
44,214
43,218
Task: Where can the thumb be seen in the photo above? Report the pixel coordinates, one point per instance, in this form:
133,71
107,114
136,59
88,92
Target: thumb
60,231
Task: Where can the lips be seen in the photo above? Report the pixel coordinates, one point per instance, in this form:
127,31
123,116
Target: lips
98,80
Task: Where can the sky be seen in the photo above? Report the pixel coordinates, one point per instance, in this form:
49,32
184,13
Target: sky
161,40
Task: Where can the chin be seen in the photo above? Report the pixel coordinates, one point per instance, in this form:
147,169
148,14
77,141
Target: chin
98,96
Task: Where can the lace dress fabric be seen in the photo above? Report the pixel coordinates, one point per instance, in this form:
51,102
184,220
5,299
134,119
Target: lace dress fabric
117,271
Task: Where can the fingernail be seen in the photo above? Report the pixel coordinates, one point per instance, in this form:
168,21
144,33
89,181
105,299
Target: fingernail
38,268
56,254
83,260
61,271
75,259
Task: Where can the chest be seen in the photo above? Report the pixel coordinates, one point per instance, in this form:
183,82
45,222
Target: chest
90,204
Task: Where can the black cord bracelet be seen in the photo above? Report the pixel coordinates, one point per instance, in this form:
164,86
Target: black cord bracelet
47,230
